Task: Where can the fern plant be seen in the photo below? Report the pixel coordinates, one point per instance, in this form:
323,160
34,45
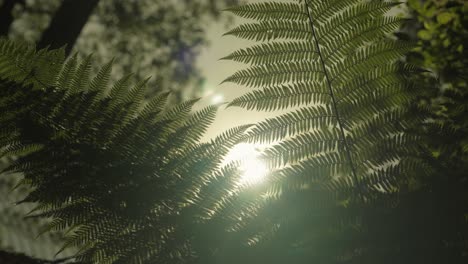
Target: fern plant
130,182
18,234
127,179
344,147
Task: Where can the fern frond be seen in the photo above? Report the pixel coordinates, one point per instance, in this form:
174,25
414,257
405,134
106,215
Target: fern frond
269,11
81,76
336,61
115,172
101,80
20,62
197,124
270,30
120,88
290,124
155,105
303,146
281,97
66,74
275,74
274,52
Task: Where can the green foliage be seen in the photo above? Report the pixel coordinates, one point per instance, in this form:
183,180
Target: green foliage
345,148
126,179
350,177
441,30
18,234
348,86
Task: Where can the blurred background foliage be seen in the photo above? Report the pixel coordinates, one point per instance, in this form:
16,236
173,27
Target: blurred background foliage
440,28
161,39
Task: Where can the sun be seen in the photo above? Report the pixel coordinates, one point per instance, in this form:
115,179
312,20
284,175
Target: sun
254,170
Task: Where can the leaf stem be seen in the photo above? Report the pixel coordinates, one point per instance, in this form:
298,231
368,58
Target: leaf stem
332,95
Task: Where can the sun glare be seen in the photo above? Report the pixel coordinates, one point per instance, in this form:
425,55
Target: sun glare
216,99
253,169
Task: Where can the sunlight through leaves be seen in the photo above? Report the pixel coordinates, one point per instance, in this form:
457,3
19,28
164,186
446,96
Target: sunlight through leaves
254,170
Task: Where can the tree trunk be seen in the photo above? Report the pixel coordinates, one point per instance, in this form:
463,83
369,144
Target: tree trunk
6,15
67,23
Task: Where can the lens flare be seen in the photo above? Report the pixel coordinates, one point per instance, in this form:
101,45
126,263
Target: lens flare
216,99
254,170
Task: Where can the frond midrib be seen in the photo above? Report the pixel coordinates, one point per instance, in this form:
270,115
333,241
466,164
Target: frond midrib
332,95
